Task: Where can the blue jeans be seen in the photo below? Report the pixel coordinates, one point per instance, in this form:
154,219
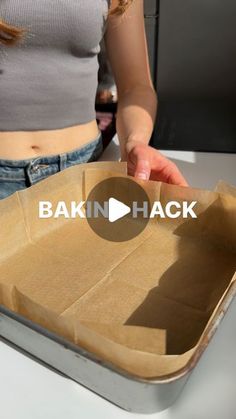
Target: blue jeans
20,174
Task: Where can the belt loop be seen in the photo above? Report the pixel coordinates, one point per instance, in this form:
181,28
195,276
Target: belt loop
28,172
62,161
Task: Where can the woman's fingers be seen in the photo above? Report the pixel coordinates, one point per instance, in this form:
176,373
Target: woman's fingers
145,162
143,166
166,171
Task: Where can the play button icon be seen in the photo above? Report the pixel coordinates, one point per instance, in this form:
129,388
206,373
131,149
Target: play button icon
110,209
117,210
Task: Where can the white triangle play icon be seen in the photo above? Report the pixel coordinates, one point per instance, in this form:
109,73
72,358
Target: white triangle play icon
117,210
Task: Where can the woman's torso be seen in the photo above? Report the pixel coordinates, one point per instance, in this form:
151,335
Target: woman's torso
48,82
30,144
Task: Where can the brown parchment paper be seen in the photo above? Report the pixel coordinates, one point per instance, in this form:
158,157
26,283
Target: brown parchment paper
143,305
224,187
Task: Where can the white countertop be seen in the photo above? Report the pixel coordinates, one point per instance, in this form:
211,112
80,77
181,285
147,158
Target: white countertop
29,390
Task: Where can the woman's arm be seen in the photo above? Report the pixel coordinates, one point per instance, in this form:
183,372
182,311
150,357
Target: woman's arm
137,101
127,51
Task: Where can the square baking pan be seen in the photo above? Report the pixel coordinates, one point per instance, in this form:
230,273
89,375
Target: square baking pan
126,390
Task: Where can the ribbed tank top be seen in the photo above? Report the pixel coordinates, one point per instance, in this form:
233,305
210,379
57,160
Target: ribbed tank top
49,80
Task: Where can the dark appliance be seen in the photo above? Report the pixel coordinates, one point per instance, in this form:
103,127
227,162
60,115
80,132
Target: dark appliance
194,45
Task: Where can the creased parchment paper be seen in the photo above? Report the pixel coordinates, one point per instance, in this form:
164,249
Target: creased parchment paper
143,305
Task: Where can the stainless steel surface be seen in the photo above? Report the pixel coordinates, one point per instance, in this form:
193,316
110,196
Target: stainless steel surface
151,22
197,49
195,76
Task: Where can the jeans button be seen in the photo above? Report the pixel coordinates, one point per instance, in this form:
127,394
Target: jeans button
35,168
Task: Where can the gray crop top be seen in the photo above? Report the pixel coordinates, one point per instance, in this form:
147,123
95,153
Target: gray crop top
49,80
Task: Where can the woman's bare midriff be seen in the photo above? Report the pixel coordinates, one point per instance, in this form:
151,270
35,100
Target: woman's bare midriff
19,145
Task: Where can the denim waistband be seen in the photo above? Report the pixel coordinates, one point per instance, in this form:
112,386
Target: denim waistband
61,158
34,169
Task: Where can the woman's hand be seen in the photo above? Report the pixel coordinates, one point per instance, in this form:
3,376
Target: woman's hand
145,162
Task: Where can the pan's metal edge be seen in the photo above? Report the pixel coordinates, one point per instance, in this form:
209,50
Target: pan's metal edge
207,336
137,396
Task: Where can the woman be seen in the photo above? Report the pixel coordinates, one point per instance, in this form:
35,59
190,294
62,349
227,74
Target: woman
48,82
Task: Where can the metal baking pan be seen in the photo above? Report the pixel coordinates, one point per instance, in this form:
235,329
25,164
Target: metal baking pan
129,392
